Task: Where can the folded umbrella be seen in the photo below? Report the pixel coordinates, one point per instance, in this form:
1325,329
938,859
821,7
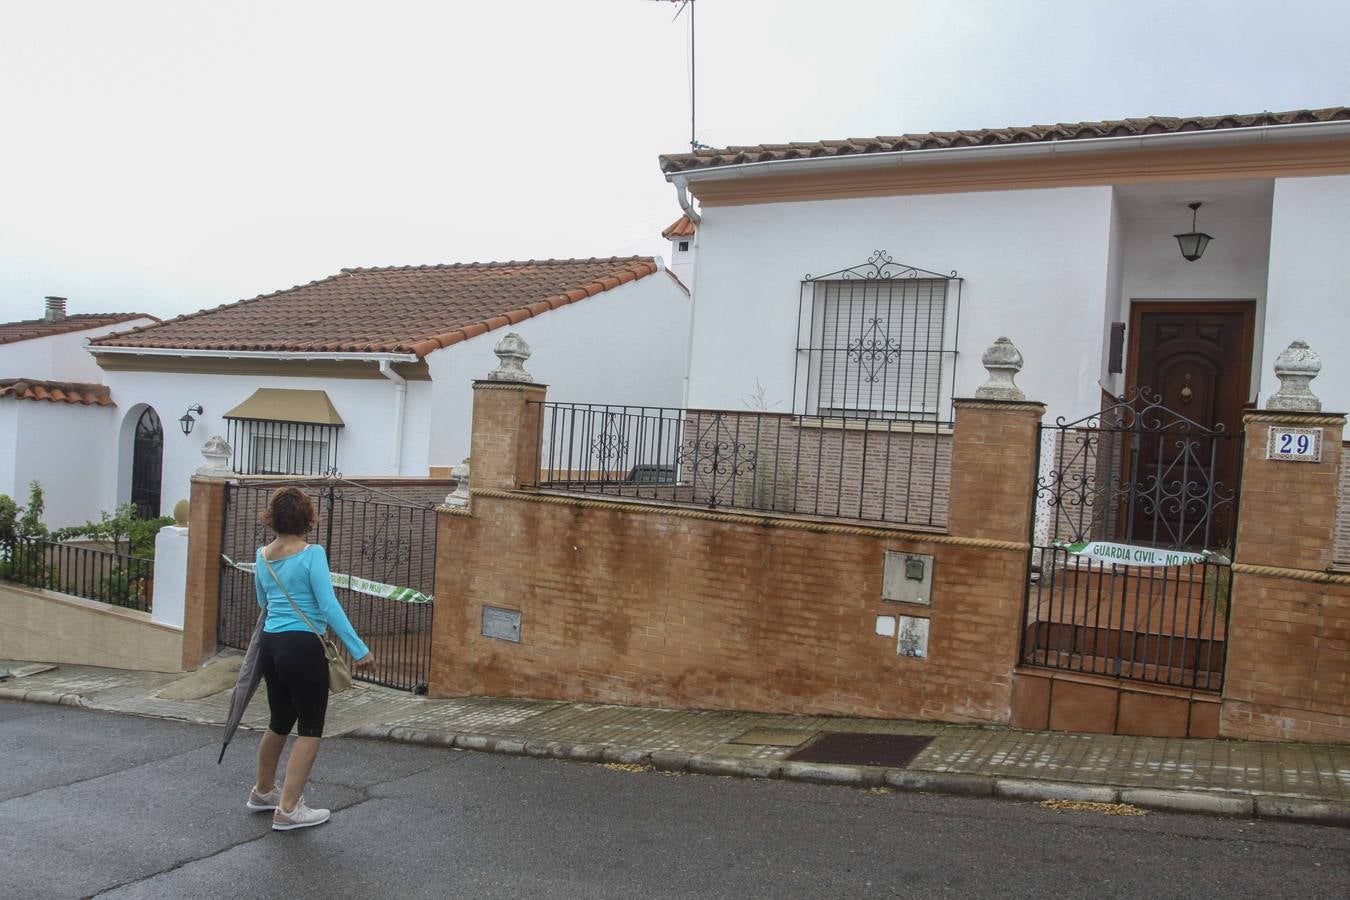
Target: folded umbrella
250,673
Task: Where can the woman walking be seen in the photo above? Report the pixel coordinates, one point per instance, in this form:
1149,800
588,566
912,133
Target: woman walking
293,584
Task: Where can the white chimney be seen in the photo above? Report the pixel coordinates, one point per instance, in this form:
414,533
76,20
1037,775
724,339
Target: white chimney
681,236
56,309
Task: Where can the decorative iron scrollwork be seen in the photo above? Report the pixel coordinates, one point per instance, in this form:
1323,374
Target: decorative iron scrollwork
1140,472
880,266
715,459
874,350
610,444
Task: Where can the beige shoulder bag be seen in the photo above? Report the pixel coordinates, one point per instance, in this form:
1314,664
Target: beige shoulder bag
339,675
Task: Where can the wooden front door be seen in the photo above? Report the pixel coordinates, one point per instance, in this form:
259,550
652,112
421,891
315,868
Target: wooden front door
1195,359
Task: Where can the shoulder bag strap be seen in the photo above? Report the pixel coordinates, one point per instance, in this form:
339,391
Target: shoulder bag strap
294,605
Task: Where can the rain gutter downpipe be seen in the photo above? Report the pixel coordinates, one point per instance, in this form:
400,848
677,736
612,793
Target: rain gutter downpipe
682,195
400,405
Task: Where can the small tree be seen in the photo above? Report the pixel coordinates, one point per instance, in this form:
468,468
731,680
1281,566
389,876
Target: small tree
19,524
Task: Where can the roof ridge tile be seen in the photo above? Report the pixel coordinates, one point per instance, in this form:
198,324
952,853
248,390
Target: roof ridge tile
1062,131
410,308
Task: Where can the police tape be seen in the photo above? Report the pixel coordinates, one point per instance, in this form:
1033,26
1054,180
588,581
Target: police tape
1130,555
355,583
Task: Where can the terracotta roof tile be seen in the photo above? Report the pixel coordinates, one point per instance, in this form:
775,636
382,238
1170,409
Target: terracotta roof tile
738,155
407,309
56,391
681,227
36,328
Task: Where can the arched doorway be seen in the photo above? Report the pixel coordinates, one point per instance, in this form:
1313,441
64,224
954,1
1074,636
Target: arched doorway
147,459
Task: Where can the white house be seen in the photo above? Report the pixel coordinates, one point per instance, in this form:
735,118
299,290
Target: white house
51,399
369,372
1066,238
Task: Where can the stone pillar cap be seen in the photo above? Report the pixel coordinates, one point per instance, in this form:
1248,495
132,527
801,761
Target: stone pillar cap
218,452
1296,367
1003,361
460,495
512,351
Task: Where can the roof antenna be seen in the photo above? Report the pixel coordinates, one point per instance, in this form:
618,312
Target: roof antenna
694,145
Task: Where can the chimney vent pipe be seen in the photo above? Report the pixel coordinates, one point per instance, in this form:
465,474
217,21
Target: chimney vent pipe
56,309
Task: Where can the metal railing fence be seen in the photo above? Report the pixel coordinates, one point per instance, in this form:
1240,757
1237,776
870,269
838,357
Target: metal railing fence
883,470
118,579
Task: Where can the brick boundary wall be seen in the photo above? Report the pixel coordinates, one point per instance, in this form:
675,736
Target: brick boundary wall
657,605
1340,556
1288,674
647,607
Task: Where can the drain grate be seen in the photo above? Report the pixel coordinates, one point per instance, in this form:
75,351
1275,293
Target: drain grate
856,749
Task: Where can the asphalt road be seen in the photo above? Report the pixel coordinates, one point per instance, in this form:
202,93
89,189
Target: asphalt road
93,803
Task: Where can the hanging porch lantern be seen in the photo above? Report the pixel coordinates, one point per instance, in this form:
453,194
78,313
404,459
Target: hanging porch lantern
1193,243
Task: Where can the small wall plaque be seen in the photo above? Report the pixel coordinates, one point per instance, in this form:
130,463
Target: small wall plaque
1295,444
913,637
503,624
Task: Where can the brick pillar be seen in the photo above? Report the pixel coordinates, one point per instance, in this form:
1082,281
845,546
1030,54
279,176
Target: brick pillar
994,468
201,602
505,446
1288,512
1286,664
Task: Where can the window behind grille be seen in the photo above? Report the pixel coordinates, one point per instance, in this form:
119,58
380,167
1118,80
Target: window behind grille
877,348
264,447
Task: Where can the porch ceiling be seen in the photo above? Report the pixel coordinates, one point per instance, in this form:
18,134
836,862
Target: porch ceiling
1247,198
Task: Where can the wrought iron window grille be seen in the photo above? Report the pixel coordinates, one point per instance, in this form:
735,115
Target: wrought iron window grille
270,447
877,340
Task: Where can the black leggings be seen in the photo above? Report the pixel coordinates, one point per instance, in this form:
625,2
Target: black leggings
296,671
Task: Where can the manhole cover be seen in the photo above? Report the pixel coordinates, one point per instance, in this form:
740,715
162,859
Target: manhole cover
856,749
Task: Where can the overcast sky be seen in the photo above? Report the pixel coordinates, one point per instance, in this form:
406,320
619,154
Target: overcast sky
166,155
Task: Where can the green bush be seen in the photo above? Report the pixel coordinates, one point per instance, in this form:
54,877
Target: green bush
123,529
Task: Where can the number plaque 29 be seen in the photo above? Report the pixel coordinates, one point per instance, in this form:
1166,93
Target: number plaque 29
1295,444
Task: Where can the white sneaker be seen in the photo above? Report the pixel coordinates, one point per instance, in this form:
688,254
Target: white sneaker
300,817
259,802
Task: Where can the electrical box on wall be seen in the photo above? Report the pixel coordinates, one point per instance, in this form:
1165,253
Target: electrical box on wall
907,578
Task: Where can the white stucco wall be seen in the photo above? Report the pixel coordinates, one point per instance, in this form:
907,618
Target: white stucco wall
58,357
55,446
1233,267
1309,295
1034,264
624,346
1115,277
9,436
365,445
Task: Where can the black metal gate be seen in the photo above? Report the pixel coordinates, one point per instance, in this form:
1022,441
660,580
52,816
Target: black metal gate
1136,510
370,533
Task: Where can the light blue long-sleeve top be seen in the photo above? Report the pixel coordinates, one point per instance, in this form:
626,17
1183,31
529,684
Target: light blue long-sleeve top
306,576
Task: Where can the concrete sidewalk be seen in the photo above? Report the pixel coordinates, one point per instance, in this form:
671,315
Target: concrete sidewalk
1308,782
